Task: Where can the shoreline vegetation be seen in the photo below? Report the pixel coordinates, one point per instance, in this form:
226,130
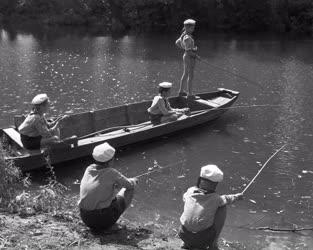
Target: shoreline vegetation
47,217
282,16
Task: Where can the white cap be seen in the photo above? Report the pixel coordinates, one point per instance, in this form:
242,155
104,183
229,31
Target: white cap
103,152
166,85
189,22
39,99
212,173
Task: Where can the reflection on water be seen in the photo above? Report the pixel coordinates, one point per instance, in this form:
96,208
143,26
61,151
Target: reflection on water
82,72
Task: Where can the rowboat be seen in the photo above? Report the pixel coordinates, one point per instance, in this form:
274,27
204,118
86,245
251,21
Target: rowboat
120,126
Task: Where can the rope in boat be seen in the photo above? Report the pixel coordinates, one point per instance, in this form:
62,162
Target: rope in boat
230,72
264,165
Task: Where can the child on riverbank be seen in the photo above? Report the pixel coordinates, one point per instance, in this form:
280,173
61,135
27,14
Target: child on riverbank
36,132
104,192
186,42
160,110
204,211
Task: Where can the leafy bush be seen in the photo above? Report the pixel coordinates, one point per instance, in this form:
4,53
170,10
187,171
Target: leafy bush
10,178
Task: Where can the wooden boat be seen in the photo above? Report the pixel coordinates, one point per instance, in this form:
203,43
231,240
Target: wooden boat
120,126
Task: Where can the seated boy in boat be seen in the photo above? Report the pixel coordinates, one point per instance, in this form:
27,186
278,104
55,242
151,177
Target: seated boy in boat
104,192
161,110
36,132
204,211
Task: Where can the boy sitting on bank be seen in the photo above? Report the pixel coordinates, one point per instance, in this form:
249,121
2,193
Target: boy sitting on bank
204,211
104,192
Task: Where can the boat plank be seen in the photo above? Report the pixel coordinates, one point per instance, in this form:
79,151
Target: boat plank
14,135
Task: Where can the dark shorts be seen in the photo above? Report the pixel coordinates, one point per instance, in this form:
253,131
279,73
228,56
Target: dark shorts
101,219
201,239
30,142
155,119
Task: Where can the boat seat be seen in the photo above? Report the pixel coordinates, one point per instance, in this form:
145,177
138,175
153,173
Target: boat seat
14,135
214,103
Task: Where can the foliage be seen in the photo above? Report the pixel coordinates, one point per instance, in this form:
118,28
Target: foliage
18,196
10,178
301,15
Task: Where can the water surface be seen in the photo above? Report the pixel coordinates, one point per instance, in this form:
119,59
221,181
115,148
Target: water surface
81,72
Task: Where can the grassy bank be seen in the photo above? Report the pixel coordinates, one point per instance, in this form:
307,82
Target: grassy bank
146,15
47,217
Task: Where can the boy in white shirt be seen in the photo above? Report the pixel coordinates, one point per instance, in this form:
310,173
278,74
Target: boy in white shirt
204,211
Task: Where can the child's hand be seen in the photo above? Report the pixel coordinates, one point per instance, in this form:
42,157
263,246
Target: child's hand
239,196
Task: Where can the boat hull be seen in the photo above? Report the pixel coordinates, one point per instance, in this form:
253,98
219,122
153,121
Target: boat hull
120,137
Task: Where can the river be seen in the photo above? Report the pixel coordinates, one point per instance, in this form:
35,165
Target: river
81,72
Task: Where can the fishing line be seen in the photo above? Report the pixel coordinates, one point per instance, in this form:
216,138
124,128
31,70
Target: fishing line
159,168
264,165
230,72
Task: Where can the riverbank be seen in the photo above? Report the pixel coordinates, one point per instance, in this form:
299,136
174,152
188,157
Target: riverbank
64,230
121,16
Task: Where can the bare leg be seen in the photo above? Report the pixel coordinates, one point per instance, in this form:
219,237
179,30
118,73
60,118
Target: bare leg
127,194
183,80
190,75
169,118
219,221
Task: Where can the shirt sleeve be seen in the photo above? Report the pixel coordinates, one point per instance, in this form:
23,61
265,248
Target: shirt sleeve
227,199
188,42
41,126
122,181
162,108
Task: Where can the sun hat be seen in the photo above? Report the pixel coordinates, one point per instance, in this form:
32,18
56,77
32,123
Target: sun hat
189,22
165,85
39,99
212,173
103,152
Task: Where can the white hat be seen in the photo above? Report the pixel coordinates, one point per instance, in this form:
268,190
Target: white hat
212,173
103,152
189,22
39,99
166,85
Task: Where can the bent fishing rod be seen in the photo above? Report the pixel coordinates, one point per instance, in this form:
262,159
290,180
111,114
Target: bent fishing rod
229,72
264,165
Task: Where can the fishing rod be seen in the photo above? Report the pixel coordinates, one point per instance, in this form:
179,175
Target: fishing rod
229,72
264,165
159,168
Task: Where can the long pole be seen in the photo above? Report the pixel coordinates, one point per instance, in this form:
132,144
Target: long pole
160,168
264,165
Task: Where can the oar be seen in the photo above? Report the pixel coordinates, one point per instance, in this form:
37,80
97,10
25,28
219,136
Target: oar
106,130
264,165
160,168
229,72
111,129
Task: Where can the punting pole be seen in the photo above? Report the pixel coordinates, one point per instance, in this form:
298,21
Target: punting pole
264,165
158,169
